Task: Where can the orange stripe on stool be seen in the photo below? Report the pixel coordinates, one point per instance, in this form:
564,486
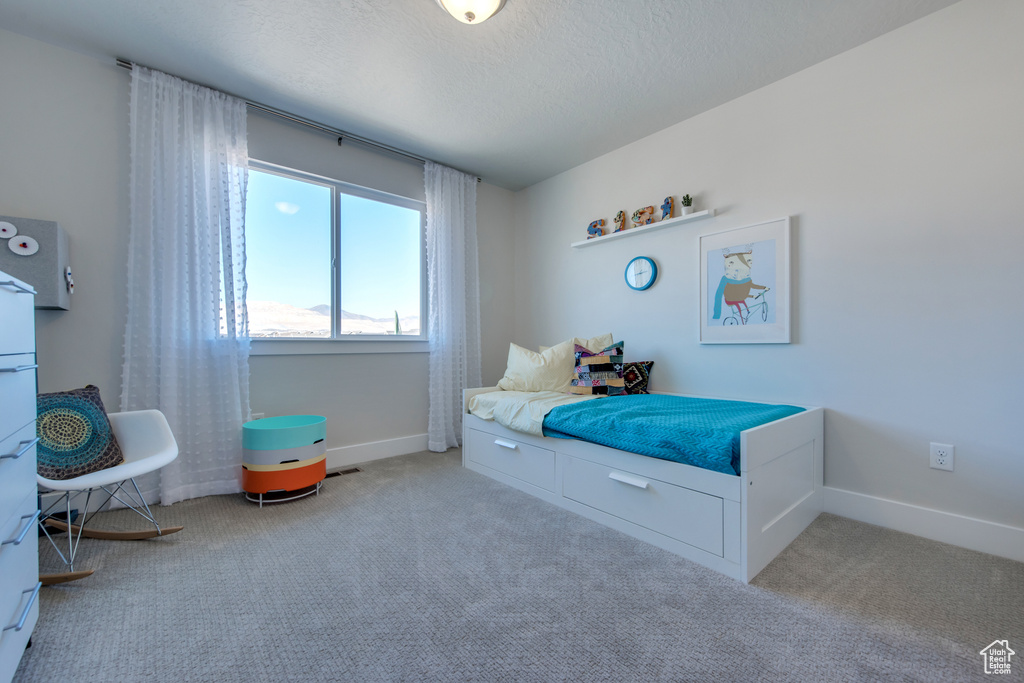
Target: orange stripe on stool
291,479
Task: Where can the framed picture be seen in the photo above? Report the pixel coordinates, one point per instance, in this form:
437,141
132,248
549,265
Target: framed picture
744,285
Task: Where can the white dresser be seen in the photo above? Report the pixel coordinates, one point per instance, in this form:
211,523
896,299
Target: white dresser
19,554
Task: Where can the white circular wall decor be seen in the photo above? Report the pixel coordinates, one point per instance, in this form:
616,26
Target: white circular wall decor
7,230
23,245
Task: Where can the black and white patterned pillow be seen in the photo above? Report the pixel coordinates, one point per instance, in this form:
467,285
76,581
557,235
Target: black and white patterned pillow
636,375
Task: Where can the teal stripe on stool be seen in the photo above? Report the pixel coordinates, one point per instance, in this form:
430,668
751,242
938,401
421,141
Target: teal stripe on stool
285,431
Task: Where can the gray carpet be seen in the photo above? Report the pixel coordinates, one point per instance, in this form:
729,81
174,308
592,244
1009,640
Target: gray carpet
416,569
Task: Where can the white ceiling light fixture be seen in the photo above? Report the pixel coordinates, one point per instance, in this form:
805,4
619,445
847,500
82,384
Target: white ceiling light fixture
472,11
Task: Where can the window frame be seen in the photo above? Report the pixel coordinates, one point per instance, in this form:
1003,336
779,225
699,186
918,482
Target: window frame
339,343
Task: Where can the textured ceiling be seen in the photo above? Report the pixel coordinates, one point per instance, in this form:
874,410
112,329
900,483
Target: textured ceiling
541,87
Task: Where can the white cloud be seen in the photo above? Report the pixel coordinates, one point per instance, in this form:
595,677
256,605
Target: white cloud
286,207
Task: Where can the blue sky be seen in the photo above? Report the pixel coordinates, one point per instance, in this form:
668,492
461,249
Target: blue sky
288,248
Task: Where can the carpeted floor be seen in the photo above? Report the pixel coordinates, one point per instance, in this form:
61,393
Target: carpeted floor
416,569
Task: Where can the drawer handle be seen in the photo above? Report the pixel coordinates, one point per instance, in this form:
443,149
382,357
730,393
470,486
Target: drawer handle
20,368
24,532
626,479
20,288
506,444
25,447
28,608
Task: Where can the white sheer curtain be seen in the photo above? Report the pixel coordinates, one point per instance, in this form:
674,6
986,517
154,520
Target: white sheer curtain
186,346
453,294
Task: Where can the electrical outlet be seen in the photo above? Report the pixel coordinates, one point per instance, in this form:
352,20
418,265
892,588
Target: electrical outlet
942,456
258,416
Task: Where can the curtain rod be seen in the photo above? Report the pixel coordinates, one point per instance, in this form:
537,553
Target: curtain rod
340,134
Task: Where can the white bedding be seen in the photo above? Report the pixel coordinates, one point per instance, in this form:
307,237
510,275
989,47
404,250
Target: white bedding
522,411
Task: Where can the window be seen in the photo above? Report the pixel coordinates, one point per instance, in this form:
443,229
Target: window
329,260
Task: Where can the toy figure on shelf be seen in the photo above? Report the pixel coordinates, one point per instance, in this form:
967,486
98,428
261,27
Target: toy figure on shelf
643,216
595,229
620,221
667,208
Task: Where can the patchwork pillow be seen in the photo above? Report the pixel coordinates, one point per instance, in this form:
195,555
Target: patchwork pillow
550,370
636,375
598,372
75,436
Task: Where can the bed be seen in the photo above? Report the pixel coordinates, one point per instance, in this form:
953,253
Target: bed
733,523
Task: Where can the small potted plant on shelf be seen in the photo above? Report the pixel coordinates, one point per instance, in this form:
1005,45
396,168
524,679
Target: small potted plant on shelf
686,201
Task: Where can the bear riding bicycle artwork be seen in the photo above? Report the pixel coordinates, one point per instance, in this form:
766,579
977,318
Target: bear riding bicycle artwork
745,284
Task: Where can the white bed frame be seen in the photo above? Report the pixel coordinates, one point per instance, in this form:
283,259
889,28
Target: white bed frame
735,525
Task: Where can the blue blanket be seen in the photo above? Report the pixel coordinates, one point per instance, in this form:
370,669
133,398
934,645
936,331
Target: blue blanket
695,431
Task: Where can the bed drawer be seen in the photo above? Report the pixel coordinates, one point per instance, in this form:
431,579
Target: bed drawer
516,459
683,514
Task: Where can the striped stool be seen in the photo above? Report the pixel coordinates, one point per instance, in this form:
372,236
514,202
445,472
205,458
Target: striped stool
284,457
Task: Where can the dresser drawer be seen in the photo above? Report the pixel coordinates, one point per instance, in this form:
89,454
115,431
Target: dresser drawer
516,459
18,391
652,504
17,312
17,474
20,571
12,527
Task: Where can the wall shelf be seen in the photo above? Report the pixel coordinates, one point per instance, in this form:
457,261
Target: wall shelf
667,223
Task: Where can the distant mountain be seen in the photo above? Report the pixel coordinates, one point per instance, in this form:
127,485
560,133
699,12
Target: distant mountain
345,315
275,319
325,309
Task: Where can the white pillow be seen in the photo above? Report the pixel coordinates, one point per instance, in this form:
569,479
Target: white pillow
597,343
594,343
550,370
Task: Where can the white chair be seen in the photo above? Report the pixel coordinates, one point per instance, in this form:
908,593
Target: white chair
147,445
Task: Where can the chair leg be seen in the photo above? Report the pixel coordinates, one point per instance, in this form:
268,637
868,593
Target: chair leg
145,505
73,537
135,502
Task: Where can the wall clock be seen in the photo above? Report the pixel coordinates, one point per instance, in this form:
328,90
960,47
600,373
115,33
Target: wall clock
641,273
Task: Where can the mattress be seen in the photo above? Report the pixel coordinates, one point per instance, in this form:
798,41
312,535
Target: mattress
694,431
521,411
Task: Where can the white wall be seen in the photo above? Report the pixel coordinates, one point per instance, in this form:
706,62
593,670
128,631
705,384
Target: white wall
64,157
496,233
901,164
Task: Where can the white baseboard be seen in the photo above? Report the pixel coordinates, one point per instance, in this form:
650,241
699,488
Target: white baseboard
337,458
346,456
967,532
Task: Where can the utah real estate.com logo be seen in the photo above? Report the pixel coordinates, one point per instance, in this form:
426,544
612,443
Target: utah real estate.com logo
997,657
